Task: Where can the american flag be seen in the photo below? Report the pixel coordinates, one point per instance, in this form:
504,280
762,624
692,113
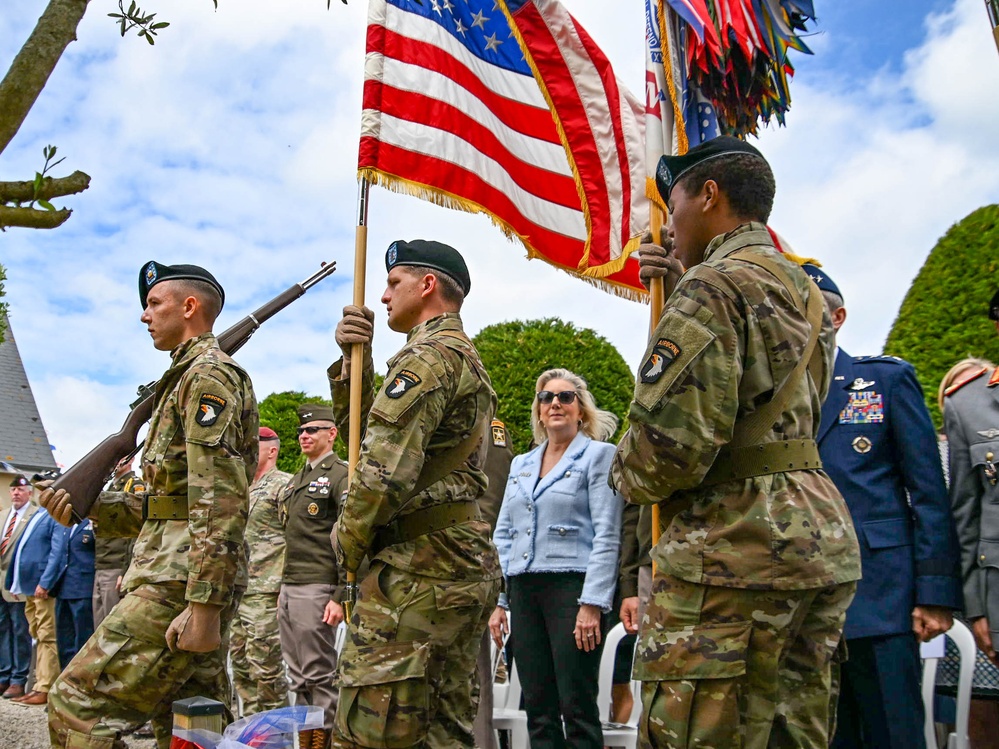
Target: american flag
510,109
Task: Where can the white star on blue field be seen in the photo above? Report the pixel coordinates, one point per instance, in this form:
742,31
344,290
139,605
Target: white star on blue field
232,143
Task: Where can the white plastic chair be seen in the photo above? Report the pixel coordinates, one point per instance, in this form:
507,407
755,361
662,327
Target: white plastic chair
965,642
616,734
507,715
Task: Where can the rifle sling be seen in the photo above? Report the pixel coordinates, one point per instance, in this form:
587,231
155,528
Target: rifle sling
746,455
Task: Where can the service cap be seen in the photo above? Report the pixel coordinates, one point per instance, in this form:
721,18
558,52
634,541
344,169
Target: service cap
994,307
266,434
152,273
821,279
436,255
20,481
314,412
672,168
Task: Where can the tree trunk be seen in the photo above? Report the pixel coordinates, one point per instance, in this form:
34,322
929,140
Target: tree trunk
30,70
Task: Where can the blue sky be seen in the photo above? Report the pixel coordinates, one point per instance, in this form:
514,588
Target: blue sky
232,143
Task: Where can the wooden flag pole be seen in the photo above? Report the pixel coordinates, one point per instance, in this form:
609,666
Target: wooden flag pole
357,361
657,300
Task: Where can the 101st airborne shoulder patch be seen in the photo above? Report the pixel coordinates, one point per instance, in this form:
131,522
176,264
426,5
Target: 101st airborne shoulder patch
210,407
404,381
663,354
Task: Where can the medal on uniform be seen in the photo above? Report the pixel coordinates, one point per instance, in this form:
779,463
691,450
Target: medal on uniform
990,469
313,509
862,445
863,407
313,487
323,484
990,434
861,384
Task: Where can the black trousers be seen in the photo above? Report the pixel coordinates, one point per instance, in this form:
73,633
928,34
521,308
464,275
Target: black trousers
558,679
880,702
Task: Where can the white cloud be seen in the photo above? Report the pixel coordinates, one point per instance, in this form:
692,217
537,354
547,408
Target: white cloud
232,143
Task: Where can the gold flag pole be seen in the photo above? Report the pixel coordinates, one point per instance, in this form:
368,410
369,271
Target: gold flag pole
357,363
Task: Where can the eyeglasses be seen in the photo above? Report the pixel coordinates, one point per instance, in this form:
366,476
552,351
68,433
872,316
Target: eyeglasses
310,430
565,397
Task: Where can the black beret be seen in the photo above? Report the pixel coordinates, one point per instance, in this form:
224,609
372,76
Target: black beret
20,481
152,273
672,168
430,254
314,412
821,279
994,307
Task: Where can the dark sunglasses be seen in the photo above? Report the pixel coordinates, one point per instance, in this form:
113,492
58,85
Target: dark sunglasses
565,397
310,430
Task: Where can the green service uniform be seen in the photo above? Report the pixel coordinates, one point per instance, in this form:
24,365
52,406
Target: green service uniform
754,573
255,647
312,579
407,674
199,458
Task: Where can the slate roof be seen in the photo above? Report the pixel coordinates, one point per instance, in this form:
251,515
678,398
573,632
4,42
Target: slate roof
23,442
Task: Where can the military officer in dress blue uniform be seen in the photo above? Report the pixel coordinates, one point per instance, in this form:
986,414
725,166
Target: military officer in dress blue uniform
878,445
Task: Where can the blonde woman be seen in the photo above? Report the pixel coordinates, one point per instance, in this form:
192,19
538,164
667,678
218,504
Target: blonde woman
558,537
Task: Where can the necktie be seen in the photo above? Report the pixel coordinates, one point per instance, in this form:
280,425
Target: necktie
8,533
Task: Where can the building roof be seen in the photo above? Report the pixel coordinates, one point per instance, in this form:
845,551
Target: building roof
23,442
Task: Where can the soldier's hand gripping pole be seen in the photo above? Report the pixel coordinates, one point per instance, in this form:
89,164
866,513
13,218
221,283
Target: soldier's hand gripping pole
85,479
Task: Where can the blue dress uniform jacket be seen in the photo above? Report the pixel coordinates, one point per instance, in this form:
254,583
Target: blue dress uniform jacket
76,574
878,445
567,521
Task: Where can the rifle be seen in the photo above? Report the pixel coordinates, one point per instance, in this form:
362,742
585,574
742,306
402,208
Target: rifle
85,479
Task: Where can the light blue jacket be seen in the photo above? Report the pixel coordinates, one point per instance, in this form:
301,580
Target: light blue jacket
569,521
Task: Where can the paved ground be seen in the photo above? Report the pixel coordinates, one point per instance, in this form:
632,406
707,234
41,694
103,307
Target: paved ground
26,728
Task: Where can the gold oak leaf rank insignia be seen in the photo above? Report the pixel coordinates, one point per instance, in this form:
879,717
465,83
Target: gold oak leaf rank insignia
210,407
402,383
663,354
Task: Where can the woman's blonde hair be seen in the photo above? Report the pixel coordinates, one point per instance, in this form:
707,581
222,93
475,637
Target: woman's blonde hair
595,423
951,377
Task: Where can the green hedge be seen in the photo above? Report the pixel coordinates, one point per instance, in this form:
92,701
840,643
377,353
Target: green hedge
279,411
943,317
516,353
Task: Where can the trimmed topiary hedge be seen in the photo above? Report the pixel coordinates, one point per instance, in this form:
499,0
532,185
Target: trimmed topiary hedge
943,317
516,353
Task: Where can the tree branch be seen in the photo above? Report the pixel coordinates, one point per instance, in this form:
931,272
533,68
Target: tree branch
32,218
34,63
52,187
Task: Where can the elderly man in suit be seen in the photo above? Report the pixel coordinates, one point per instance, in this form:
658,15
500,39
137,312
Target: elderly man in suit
33,573
878,445
15,642
971,422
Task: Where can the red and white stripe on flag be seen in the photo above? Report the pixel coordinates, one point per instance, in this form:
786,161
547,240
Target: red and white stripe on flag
509,109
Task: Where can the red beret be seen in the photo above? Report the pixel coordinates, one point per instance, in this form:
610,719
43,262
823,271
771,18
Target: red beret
266,433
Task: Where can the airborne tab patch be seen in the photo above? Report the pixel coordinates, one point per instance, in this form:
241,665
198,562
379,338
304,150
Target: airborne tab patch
663,354
210,407
402,383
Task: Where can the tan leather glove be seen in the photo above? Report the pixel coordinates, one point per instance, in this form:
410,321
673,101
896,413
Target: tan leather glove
56,503
197,629
658,261
356,326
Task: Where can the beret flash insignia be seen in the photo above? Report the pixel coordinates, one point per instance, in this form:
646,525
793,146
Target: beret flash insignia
393,254
150,274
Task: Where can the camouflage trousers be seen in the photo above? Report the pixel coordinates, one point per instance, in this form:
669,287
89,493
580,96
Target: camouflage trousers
408,667
255,650
728,668
125,675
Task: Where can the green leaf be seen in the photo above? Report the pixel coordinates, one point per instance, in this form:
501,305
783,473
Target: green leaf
131,8
46,204
149,38
160,25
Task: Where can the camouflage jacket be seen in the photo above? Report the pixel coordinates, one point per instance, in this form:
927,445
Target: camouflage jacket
202,445
114,553
730,335
435,393
265,534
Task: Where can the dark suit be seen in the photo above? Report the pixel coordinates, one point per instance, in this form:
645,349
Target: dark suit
15,641
75,589
36,563
878,445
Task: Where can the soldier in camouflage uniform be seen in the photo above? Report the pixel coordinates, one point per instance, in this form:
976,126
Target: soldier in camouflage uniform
407,672
255,647
758,558
168,637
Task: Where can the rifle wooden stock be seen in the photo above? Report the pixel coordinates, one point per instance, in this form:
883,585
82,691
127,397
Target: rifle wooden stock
85,479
